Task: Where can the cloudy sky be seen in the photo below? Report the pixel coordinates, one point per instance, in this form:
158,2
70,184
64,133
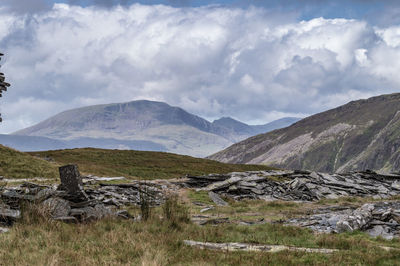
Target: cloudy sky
253,60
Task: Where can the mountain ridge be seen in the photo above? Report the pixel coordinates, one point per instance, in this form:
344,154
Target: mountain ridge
356,136
172,128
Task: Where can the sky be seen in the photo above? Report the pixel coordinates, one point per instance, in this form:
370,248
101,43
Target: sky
255,61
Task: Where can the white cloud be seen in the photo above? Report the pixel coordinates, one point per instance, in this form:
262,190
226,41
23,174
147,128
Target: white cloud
214,61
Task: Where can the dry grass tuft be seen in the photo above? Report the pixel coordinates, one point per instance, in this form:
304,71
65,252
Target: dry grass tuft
175,212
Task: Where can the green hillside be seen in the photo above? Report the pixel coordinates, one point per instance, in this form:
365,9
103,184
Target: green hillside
15,164
140,164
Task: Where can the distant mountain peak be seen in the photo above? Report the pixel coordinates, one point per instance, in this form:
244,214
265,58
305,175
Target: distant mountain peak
227,119
140,123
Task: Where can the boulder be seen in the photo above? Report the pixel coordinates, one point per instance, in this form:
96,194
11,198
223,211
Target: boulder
57,207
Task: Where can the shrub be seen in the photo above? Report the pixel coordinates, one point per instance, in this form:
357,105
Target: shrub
145,203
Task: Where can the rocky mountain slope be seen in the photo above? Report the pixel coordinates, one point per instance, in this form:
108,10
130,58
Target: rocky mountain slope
363,134
144,125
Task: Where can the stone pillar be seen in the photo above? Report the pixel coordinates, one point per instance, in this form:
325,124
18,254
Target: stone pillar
71,182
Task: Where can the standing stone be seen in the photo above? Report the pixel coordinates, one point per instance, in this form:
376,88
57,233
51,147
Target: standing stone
71,182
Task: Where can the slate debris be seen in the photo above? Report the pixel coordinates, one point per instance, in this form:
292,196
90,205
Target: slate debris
377,219
298,185
72,202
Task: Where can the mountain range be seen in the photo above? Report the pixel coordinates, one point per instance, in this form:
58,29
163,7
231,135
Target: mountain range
363,134
140,125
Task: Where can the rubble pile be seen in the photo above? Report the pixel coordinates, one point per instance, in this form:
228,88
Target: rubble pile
377,219
128,194
73,202
297,185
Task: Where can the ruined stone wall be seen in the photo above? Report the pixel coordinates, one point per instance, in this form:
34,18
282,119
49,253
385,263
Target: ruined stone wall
3,84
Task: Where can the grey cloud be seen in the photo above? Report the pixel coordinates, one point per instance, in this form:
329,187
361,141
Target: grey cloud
25,6
212,61
103,3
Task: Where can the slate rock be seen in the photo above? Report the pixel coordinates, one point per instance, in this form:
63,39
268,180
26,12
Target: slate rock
87,214
9,216
381,231
71,181
217,199
357,220
223,184
57,207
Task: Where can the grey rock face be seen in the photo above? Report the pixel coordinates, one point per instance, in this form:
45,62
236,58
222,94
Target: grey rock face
362,129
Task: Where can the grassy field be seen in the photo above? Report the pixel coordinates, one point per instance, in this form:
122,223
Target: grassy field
37,240
15,164
140,164
158,241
